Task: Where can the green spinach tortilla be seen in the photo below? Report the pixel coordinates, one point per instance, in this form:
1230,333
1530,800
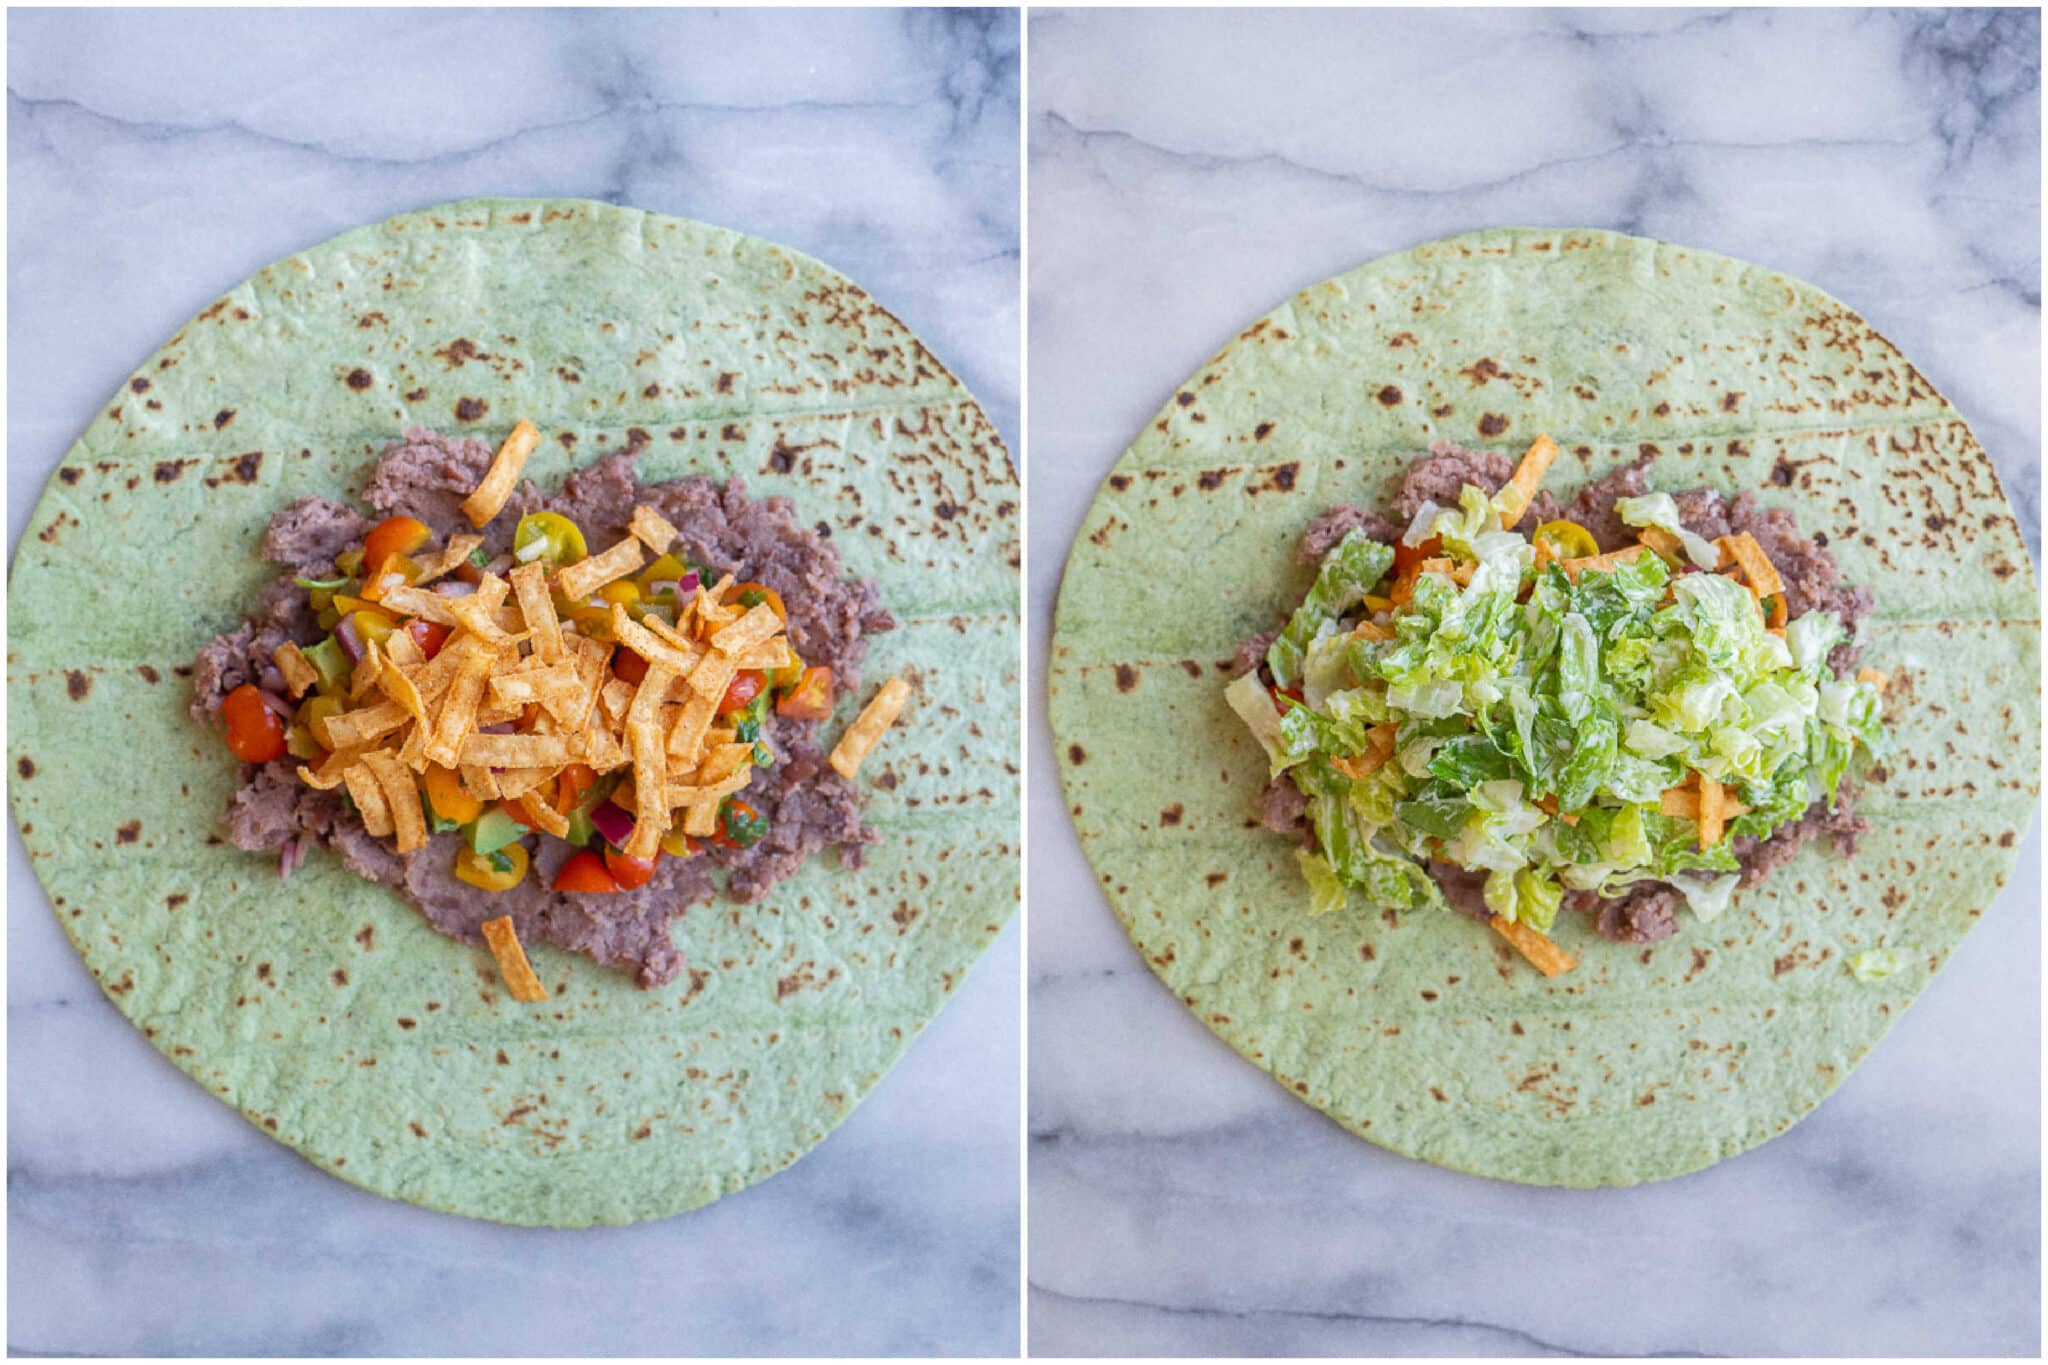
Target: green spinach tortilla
1408,1027
324,1008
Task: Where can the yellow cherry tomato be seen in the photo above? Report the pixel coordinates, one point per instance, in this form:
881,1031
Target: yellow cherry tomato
446,794
315,712
1566,540
481,871
560,540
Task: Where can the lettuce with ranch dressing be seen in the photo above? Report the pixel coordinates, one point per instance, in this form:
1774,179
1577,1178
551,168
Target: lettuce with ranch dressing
1546,731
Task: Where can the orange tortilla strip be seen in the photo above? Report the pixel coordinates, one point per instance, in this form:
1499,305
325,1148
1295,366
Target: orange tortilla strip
537,606
878,715
696,794
1668,547
1545,956
368,794
1458,571
400,689
512,964
686,739
458,549
420,602
701,819
758,624
515,750
1548,805
503,475
1367,630
404,798
1713,814
652,647
1756,566
355,729
1600,563
298,674
586,576
1516,494
652,529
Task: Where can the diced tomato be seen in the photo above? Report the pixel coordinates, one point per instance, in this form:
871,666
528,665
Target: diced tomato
468,572
1407,556
745,686
448,798
379,580
628,666
1283,695
428,635
521,811
394,536
739,592
811,699
571,783
585,871
628,872
255,732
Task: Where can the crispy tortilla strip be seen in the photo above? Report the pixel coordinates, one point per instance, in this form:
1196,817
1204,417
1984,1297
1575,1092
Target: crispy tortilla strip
645,707
1684,802
458,712
503,475
652,647
515,751
709,604
1516,494
401,649
479,781
1545,956
1779,615
1600,563
413,753
602,750
1548,805
692,794
615,697
701,819
478,613
759,624
769,655
513,689
1457,570
403,794
489,712
519,975
364,676
458,549
359,728
725,760
327,775
1667,546
1379,748
514,783
653,529
368,794
671,634
686,739
537,607
711,677
1714,811
586,576
650,784
878,715
400,689
1756,566
298,674
543,814
421,602
1367,630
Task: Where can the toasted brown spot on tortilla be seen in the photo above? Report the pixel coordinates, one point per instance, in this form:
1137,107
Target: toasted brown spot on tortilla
223,417
26,766
651,391
1284,476
1184,398
1492,424
1126,677
1731,401
1262,431
471,409
1120,482
406,1023
70,473
1662,409
417,1131
77,684
418,395
138,385
1390,396
1076,754
367,936
340,976
725,381
149,673
128,833
1172,814
168,471
176,899
359,379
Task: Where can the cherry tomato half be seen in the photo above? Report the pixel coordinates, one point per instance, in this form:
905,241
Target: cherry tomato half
811,699
255,732
742,592
628,666
585,871
745,686
394,536
628,872
428,635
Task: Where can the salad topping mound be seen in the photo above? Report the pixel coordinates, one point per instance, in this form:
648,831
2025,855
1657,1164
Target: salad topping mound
1503,722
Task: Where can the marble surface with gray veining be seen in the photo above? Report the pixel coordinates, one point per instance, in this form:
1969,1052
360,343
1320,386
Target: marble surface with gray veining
155,158
1190,170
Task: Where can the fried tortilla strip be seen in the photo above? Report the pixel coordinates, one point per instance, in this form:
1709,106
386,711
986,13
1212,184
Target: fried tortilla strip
515,751
514,783
1379,748
650,764
420,602
686,739
1756,566
671,634
413,753
1600,563
691,795
1545,956
1667,546
298,673
478,612
725,760
401,649
701,820
1457,570
458,712
653,529
652,647
368,794
586,576
403,794
710,604
602,751
479,781
711,677
519,975
768,655
1516,494
400,689
503,475
878,715
1548,805
328,774
364,677
760,623
537,605
615,697
453,554
536,808
357,729
1713,813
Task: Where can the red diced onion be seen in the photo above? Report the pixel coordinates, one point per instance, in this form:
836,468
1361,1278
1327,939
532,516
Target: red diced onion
612,822
291,856
277,704
454,587
271,679
687,584
351,638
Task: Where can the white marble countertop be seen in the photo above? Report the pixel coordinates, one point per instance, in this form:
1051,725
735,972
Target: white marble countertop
1190,170
156,158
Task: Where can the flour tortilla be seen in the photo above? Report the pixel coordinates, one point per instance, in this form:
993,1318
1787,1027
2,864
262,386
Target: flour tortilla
1420,1031
327,1010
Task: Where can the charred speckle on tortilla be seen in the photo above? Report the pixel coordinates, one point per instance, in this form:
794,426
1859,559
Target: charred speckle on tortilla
1506,706
478,699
